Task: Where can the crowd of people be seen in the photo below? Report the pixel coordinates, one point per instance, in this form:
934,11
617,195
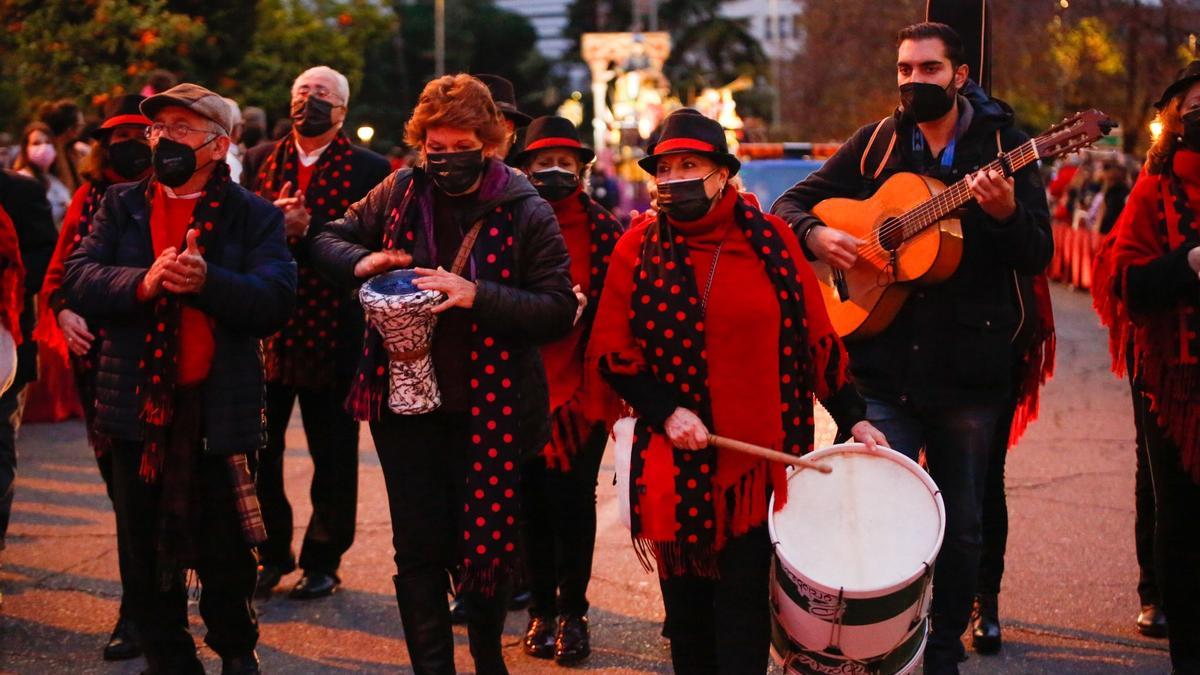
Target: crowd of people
195,279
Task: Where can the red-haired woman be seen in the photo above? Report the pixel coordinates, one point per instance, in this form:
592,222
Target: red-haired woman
559,487
452,475
711,321
1148,293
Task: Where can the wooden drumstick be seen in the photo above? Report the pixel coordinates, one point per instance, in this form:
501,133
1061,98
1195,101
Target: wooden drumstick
766,453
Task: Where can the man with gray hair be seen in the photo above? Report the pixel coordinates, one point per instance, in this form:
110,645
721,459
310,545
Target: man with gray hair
183,273
313,174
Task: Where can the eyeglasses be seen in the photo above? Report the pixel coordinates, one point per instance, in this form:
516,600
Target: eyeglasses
318,91
176,132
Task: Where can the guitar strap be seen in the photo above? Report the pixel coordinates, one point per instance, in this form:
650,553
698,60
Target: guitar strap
879,148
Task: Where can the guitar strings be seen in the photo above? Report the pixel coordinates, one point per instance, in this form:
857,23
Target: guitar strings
923,216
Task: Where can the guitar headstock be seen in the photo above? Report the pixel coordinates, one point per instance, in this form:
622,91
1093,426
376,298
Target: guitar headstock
1077,131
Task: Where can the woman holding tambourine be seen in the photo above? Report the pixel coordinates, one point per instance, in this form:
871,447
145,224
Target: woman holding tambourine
711,321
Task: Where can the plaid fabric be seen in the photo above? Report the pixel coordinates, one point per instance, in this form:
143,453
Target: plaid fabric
246,500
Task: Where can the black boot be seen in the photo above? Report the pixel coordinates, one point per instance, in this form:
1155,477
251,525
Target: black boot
124,643
426,620
485,625
572,645
1151,622
539,638
985,624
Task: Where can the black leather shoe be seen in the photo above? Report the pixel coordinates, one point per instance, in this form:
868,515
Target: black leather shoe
247,664
985,624
315,585
458,612
1151,622
572,643
124,643
268,578
539,639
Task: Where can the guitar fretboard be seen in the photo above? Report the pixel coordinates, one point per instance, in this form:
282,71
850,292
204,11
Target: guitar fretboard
943,204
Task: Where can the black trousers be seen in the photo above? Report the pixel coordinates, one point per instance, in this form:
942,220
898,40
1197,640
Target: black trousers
1176,543
333,444
227,566
723,626
104,462
558,529
1143,496
11,404
423,458
994,517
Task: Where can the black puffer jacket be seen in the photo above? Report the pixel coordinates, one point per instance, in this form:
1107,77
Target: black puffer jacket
249,294
538,307
951,344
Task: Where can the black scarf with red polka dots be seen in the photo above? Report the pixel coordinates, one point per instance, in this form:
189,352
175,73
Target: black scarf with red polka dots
161,360
302,354
488,522
667,320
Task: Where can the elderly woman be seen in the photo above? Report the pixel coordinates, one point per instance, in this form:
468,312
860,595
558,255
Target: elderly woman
1147,290
559,486
120,153
711,321
451,474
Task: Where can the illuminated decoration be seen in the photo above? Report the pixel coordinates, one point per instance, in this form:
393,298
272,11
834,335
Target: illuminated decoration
365,133
572,109
1156,129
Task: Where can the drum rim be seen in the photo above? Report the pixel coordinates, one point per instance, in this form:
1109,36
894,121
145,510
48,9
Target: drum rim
913,468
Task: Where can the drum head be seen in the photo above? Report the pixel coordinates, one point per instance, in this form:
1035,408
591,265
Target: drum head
396,282
870,525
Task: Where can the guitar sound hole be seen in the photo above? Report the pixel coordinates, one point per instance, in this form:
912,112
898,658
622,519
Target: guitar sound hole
890,234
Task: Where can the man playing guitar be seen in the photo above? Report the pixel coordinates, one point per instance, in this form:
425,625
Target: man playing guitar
940,375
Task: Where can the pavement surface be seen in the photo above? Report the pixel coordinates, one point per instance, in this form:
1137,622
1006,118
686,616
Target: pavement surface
1068,603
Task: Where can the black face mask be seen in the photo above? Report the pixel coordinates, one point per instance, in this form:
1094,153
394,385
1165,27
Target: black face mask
454,172
129,159
1191,130
926,102
174,162
685,200
312,116
555,184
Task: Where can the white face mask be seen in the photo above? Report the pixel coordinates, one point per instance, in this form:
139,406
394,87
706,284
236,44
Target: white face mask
42,155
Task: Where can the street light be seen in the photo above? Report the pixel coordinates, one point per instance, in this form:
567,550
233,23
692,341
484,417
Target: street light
365,133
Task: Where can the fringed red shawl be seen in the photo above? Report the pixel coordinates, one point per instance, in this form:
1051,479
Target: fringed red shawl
1158,218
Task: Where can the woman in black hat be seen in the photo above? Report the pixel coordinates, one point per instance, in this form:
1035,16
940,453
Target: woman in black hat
709,321
1147,290
120,153
559,504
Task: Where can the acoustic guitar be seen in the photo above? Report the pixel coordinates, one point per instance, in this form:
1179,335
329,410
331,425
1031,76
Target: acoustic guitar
912,235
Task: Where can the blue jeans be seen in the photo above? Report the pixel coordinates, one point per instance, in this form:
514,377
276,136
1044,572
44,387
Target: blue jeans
957,441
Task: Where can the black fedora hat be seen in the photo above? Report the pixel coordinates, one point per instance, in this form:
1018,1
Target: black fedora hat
686,130
552,131
122,110
505,97
1186,77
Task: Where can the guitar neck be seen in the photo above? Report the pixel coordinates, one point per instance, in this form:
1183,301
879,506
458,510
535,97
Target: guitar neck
954,197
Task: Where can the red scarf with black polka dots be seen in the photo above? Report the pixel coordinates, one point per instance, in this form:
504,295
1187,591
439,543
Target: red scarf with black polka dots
675,521
160,362
302,354
489,519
